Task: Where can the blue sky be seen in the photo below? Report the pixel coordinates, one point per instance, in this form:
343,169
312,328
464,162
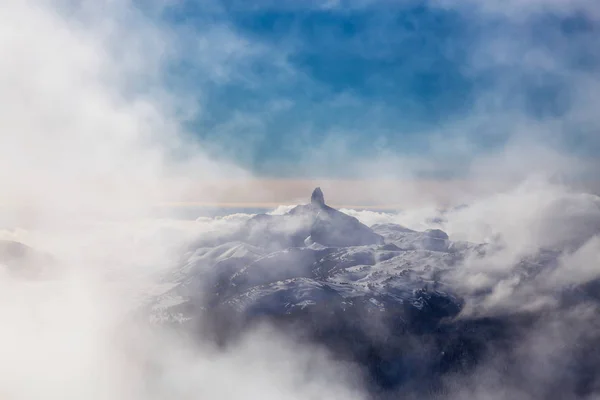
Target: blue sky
290,88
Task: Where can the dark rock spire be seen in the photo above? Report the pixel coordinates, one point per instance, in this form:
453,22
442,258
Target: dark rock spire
317,198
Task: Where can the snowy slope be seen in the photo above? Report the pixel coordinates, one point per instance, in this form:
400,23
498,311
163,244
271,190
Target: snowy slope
386,297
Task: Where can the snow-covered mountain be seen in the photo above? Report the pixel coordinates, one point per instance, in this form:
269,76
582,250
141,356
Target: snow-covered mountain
385,297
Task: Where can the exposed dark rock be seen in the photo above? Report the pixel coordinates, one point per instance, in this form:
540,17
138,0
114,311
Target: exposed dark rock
317,198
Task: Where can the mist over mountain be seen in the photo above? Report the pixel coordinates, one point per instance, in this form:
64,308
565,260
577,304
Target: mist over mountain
485,299
158,235
394,303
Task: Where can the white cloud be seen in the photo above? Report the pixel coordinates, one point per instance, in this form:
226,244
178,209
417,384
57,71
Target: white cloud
90,140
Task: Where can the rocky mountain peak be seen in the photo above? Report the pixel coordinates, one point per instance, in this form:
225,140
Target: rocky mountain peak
317,197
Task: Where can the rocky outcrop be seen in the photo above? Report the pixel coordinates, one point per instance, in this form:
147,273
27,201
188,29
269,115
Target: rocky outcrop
317,198
315,222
